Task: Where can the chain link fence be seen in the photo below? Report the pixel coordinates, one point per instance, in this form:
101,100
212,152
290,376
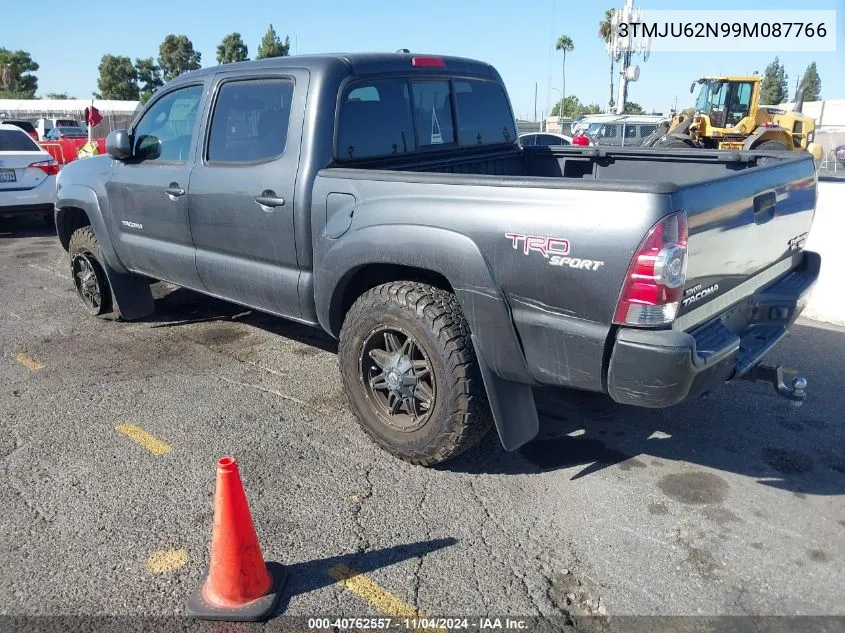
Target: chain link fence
111,120
831,166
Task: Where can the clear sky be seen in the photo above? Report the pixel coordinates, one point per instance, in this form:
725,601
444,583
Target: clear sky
516,36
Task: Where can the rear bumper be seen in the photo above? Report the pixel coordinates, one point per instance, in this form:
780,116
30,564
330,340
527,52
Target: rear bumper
660,368
40,200
21,210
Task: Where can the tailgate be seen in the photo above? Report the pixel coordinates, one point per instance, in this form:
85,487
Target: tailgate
745,231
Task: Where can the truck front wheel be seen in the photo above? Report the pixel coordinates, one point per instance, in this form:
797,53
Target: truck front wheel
410,372
89,275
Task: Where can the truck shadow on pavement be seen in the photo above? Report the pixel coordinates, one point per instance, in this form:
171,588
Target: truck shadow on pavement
183,307
741,427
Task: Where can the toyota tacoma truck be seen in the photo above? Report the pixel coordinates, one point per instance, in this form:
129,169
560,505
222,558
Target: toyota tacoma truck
385,199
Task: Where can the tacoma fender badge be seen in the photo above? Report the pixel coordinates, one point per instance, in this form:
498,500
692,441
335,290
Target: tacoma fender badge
132,225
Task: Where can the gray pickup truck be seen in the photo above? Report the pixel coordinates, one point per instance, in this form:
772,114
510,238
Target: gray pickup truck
385,199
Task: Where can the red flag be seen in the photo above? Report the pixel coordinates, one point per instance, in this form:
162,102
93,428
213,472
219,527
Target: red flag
92,116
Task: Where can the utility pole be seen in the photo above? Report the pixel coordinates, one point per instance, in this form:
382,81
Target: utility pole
624,48
535,100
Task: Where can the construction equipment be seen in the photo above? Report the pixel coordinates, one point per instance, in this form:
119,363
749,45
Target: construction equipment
728,116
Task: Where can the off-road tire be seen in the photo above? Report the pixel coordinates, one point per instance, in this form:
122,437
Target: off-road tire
673,143
84,241
460,415
771,146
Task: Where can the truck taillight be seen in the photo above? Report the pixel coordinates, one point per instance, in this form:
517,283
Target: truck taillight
655,280
49,167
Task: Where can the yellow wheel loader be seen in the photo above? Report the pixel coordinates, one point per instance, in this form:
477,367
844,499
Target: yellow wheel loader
728,116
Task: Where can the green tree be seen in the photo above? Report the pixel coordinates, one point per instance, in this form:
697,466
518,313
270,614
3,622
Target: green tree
58,95
632,107
17,80
812,84
572,107
232,49
272,46
606,35
176,55
773,90
564,43
118,79
149,77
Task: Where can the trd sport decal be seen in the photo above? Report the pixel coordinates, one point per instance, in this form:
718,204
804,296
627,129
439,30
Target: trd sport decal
555,249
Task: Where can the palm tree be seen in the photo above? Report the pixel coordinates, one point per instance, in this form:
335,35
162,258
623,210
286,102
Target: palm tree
564,43
606,34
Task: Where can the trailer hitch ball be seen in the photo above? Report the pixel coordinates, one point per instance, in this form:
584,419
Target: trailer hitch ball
799,390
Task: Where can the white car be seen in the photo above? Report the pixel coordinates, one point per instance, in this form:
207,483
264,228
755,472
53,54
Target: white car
544,138
27,176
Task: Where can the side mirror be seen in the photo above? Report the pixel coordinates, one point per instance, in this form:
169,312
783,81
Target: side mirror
119,145
692,87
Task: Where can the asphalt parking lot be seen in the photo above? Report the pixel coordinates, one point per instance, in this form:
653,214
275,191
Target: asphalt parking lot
110,432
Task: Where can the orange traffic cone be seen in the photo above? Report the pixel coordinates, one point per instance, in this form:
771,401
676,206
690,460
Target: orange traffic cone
239,586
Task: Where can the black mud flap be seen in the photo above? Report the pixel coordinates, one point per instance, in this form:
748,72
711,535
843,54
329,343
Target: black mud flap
512,405
132,295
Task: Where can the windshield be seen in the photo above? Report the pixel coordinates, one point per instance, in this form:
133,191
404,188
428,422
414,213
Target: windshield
594,128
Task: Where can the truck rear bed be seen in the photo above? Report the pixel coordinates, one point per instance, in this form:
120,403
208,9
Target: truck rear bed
747,212
747,219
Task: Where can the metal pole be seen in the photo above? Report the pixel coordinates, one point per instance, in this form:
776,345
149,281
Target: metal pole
535,100
562,86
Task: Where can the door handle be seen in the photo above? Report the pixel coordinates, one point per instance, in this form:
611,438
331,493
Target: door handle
268,198
765,206
174,190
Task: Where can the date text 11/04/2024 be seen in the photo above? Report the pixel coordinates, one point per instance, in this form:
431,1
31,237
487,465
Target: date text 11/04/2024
417,624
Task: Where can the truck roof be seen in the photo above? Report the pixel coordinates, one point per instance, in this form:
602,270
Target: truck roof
354,63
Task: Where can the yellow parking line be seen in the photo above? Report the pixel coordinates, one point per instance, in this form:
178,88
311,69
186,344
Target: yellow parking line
28,361
166,560
372,592
150,442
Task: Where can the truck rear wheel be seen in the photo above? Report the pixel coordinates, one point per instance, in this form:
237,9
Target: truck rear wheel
410,372
89,274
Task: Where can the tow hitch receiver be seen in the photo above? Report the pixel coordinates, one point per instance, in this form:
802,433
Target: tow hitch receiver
774,375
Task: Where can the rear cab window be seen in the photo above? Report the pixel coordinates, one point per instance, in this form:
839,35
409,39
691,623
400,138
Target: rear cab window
404,115
16,140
